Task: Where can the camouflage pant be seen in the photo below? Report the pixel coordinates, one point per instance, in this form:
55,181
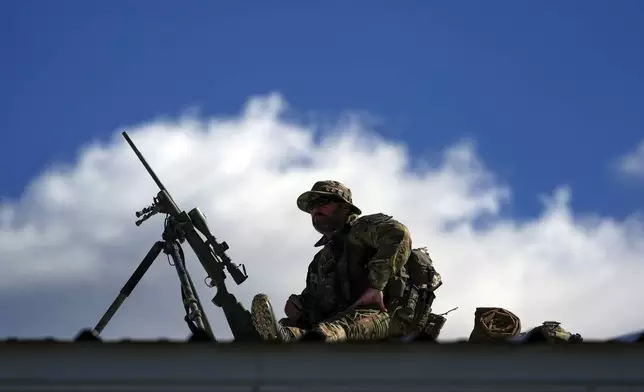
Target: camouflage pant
362,324
359,324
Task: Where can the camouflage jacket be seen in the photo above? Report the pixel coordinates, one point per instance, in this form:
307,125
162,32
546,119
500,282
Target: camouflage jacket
366,254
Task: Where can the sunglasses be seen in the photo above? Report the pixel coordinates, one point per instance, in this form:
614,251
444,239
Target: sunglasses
322,201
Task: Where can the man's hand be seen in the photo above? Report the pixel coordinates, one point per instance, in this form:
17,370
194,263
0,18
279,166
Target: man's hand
293,308
371,297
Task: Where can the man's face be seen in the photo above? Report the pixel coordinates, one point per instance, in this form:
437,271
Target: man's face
327,214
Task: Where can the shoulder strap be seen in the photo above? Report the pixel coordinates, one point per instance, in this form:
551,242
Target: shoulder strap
373,219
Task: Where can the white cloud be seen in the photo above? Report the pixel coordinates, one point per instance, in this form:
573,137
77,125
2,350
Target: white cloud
69,244
632,163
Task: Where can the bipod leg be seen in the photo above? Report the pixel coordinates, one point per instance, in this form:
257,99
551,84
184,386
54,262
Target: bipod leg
129,286
195,314
196,295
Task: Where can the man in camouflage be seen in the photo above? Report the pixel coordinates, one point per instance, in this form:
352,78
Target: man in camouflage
345,298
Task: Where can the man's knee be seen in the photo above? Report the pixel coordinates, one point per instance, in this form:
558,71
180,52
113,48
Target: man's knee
333,331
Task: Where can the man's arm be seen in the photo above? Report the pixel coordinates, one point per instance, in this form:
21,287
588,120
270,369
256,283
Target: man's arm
393,243
305,295
297,304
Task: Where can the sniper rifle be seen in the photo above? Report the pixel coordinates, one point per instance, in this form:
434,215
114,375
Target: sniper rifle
179,227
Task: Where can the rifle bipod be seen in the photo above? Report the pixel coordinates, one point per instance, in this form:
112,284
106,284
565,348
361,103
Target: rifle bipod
195,315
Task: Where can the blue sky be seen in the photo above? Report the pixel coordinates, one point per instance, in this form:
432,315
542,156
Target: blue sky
552,92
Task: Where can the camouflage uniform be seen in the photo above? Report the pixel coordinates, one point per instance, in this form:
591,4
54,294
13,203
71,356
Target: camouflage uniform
367,253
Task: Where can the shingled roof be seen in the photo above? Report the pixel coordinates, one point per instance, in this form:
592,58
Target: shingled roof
164,365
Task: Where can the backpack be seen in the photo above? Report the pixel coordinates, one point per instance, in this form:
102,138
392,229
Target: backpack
416,293
494,324
549,332
421,271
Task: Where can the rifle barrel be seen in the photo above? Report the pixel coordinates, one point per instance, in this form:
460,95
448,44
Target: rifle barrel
144,162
